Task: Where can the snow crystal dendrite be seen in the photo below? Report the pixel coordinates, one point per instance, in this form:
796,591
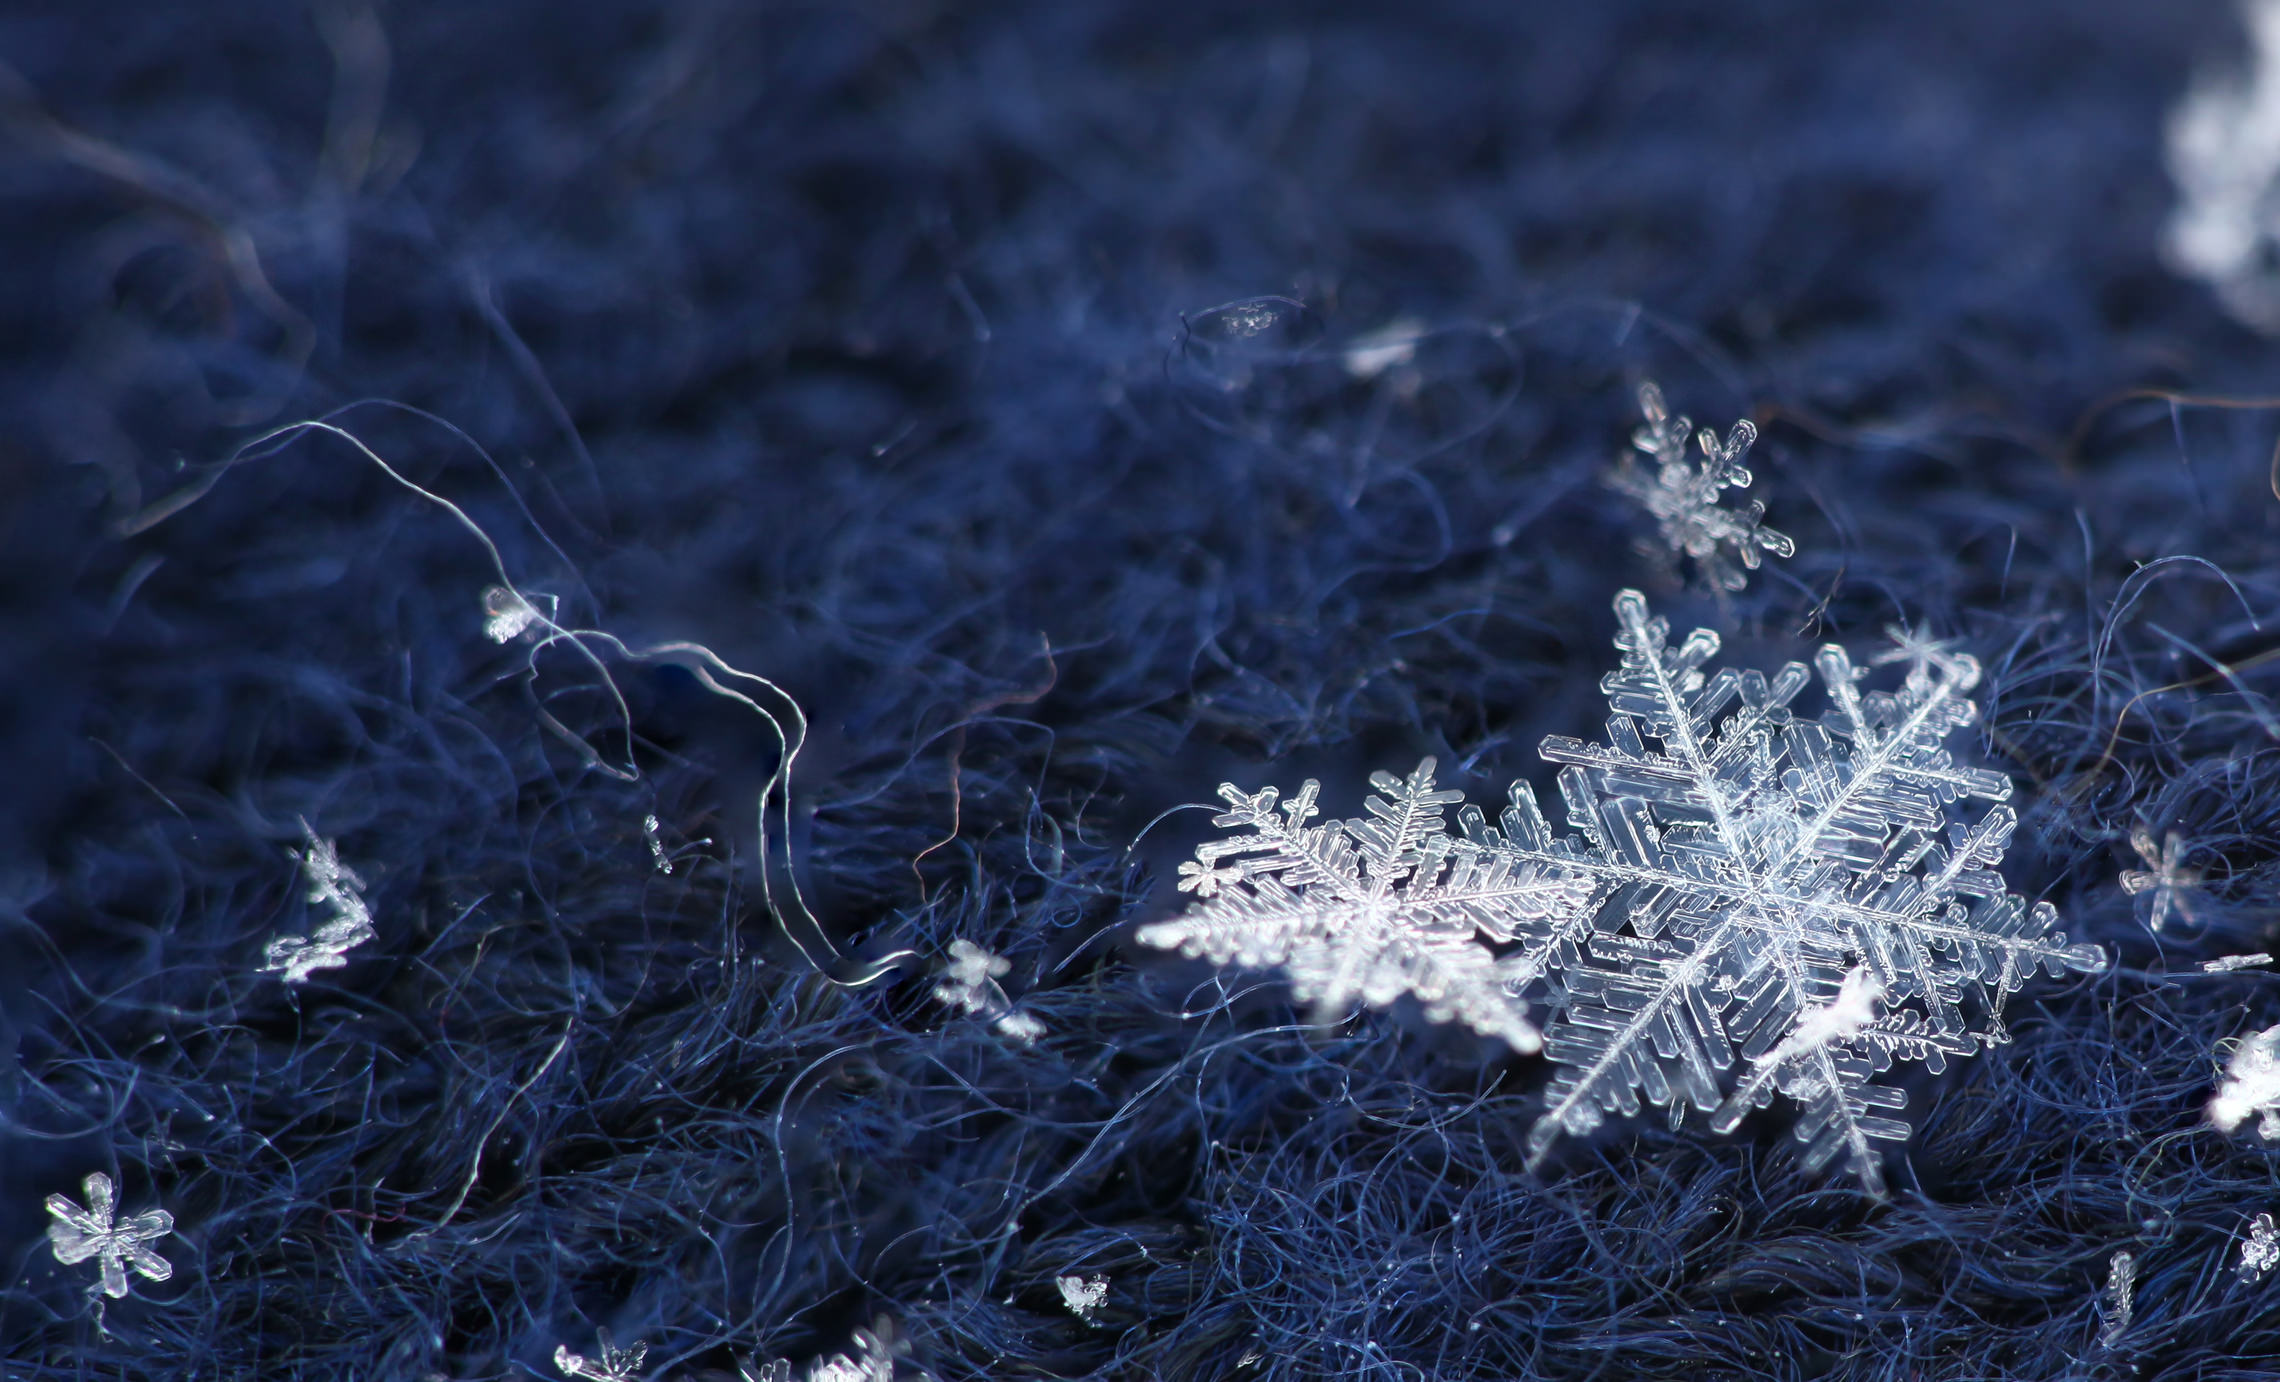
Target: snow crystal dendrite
873,1360
1084,1295
2117,1302
1811,899
2260,1251
969,983
1684,498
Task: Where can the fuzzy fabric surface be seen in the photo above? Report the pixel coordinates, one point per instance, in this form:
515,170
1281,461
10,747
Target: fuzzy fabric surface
1066,408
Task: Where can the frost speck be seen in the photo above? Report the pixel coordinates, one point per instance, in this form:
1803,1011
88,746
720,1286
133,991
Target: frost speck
614,1365
872,1361
506,616
1813,896
2260,1251
2114,1304
78,1234
1082,1294
1393,344
2226,964
1022,1027
2251,1085
335,887
969,983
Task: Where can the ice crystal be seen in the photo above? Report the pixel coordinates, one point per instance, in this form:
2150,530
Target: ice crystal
1684,498
506,615
78,1234
2251,1085
970,983
1369,909
1809,899
1769,881
2162,876
873,1360
614,1365
2115,1303
2260,1251
1082,1294
335,887
2226,964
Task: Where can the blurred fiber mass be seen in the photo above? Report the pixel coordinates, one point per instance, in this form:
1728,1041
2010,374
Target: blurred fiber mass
1072,406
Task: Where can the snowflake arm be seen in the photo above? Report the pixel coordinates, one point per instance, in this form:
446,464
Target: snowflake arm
1753,862
1684,499
1366,910
78,1234
2115,1303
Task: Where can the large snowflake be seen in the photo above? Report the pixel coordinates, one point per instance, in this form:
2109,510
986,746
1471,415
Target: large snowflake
1753,902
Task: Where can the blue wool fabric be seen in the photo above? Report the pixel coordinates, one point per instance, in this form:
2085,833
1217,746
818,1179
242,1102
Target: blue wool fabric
1069,407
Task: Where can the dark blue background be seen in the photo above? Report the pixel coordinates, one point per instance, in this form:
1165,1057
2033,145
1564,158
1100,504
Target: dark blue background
874,347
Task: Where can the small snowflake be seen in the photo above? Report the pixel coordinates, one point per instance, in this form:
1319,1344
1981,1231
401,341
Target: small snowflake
506,616
1082,1294
2162,876
1684,498
2251,1085
969,983
1924,655
614,1365
872,1361
334,886
79,1234
2114,1305
2260,1251
2226,964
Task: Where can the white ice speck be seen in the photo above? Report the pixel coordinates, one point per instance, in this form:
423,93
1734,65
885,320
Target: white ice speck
336,888
506,616
2114,1303
2260,1251
1082,1294
2251,1084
